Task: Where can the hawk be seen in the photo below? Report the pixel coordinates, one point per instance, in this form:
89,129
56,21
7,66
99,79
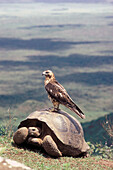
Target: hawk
58,95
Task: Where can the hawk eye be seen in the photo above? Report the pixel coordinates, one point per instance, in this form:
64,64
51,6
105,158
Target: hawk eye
47,72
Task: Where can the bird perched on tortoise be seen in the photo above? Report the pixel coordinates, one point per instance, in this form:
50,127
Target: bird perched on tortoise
58,95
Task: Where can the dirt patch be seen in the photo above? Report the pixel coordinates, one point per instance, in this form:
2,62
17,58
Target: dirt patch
105,163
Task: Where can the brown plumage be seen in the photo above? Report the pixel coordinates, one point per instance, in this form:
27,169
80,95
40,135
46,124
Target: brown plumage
58,94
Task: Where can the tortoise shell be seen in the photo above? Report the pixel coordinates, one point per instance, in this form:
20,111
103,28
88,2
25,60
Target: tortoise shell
64,126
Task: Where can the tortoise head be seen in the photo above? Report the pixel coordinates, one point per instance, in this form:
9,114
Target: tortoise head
34,131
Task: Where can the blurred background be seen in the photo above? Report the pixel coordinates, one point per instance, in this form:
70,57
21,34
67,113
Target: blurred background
74,40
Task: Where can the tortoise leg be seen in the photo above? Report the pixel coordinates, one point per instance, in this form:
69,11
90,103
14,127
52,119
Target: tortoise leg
50,146
20,135
34,141
85,155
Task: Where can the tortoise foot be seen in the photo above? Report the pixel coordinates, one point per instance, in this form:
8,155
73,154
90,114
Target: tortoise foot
50,146
85,155
20,135
35,141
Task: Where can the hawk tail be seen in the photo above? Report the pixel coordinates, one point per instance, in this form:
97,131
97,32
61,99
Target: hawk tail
77,110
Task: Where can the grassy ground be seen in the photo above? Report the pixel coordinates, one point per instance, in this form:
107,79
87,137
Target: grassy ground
38,159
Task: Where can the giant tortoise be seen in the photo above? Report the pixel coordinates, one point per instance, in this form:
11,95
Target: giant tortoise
57,132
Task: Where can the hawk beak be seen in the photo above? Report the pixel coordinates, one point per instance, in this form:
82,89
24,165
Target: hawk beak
43,73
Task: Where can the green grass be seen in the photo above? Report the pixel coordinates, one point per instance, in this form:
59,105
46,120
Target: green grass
38,159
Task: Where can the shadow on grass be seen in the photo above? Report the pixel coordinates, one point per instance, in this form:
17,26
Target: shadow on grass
33,44
18,98
43,44
35,149
41,151
54,26
49,61
92,79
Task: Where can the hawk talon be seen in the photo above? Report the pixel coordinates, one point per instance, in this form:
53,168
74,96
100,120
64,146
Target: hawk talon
54,109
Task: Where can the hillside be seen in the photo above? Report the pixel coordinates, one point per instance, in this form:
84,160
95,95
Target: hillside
95,133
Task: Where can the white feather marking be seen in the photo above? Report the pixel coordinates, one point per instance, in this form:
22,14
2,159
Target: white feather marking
56,94
61,94
51,90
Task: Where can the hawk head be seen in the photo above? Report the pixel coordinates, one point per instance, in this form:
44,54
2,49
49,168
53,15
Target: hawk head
48,74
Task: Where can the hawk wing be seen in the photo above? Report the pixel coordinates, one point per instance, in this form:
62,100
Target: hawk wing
57,92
